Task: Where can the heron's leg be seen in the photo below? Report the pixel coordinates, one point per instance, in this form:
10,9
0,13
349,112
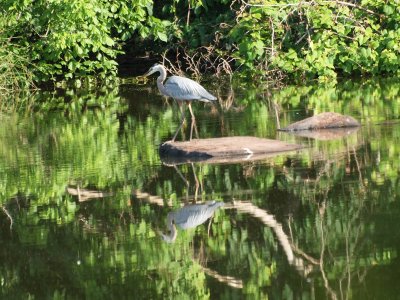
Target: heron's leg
180,103
209,225
181,175
197,184
193,122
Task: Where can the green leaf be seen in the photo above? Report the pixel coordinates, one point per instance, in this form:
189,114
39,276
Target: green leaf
109,41
162,36
388,9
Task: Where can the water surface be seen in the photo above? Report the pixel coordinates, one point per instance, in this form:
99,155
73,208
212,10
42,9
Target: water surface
89,207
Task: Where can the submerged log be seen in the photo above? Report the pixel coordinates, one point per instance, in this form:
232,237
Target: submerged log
325,120
226,149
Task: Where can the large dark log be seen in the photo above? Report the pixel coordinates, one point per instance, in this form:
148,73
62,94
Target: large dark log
226,149
325,120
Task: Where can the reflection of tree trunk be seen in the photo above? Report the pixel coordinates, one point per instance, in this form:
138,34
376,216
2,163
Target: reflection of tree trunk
151,199
86,195
276,110
358,167
8,215
270,221
229,280
321,260
324,233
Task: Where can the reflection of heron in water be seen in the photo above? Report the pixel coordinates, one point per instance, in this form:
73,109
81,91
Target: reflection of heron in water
189,216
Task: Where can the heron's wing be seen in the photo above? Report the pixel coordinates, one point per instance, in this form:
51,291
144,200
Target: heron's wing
193,215
181,88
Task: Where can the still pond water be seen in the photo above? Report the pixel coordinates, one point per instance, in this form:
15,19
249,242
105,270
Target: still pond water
89,210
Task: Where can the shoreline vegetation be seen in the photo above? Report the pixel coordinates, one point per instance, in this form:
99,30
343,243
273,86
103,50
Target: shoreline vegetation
48,41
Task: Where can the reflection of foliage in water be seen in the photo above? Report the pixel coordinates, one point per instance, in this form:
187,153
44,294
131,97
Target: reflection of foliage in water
322,197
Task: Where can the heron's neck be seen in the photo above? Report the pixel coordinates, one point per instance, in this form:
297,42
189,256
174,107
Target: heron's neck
160,80
171,237
173,231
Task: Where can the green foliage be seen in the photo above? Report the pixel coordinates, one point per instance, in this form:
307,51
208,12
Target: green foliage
319,39
292,38
67,39
295,39
15,67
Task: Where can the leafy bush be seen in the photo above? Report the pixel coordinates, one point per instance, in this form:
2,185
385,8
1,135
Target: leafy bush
304,39
76,38
15,72
297,39
319,38
14,68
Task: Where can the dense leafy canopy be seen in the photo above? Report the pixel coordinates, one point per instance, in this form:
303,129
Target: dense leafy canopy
299,39
68,39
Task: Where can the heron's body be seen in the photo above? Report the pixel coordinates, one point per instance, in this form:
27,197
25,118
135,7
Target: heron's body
182,89
190,216
185,89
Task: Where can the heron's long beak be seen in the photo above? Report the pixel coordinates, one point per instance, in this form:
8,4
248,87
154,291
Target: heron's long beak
148,73
171,237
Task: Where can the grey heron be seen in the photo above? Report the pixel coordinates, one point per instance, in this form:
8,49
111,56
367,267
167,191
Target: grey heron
189,216
183,90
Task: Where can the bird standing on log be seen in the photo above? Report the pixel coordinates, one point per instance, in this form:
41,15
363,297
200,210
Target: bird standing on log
183,90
